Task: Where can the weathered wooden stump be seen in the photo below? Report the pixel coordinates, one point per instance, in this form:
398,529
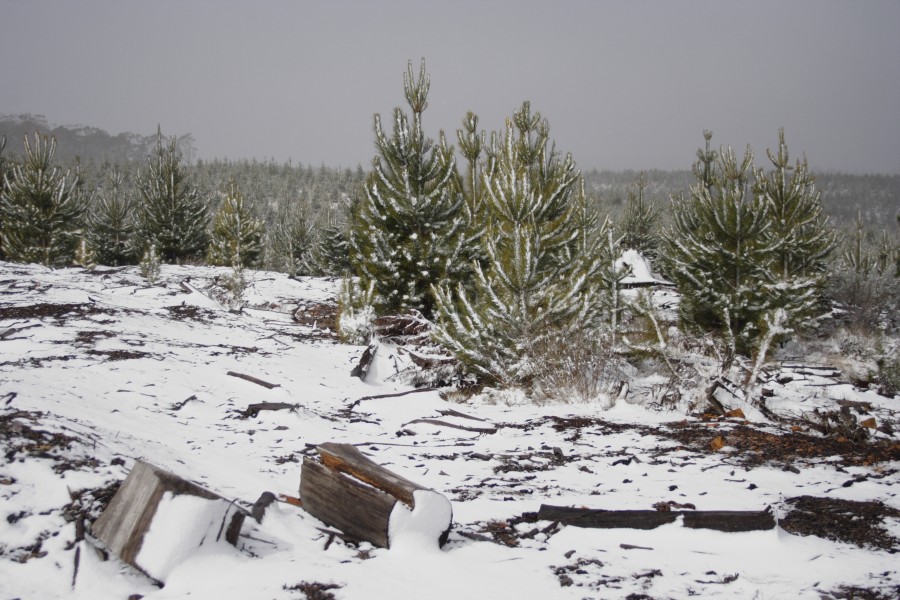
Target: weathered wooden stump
367,502
157,519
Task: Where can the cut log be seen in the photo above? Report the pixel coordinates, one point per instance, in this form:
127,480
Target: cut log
367,502
157,519
720,520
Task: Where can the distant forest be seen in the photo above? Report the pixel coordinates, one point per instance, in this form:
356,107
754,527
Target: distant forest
270,187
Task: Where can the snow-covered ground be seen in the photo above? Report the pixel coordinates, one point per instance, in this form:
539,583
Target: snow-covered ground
98,370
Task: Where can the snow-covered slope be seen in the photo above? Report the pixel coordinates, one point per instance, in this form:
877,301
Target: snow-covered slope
98,370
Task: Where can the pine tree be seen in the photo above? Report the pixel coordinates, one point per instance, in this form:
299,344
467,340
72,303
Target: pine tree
41,210
535,284
331,253
290,243
236,234
749,260
172,214
639,221
718,250
111,223
798,233
405,235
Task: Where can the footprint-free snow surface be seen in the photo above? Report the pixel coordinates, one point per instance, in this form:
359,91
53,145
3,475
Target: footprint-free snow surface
98,370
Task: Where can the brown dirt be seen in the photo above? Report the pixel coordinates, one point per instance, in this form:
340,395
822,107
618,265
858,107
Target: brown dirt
49,311
849,521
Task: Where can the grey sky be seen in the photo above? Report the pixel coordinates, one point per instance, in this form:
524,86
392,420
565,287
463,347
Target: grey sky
623,84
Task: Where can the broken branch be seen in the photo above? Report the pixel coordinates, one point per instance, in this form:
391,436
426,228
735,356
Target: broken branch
253,379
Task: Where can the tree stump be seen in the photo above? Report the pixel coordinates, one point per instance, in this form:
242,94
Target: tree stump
367,502
158,519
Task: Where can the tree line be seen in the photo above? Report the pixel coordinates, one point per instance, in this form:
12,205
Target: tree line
498,242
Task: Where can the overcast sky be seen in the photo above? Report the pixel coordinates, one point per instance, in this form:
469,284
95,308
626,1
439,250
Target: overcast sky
624,85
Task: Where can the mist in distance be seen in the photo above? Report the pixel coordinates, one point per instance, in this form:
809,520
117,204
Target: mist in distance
624,85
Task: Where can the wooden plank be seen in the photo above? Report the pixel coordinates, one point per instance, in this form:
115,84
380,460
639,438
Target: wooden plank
358,510
719,520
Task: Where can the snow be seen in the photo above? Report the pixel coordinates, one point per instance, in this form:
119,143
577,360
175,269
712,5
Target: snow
138,372
180,526
418,529
641,272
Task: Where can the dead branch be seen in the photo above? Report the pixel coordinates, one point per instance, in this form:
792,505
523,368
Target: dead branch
394,395
14,330
253,410
449,412
179,405
253,379
440,423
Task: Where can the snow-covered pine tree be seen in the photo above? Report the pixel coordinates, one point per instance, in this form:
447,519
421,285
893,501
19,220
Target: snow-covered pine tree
798,234
235,239
536,280
863,282
290,243
41,209
172,214
331,253
638,226
718,251
111,223
406,233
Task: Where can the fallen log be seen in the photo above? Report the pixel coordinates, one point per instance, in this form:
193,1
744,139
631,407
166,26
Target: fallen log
441,423
719,520
253,379
253,410
156,520
393,395
346,490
